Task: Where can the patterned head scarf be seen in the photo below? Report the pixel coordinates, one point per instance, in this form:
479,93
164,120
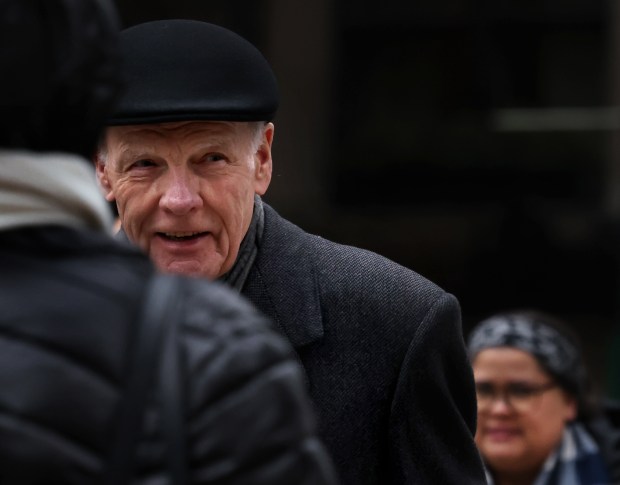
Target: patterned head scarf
540,336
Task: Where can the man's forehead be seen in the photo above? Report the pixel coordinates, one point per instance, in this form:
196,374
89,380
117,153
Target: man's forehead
129,141
178,128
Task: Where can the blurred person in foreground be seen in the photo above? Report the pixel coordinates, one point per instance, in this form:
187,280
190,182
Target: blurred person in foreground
187,158
71,294
538,422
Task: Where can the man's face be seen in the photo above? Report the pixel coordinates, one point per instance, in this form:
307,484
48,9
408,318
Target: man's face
185,190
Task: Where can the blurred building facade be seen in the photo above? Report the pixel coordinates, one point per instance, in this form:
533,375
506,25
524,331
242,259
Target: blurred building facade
473,141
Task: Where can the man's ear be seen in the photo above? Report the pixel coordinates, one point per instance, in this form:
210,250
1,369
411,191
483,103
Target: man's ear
102,176
263,162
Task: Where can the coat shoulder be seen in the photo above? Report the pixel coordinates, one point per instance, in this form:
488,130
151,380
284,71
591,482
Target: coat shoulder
327,285
344,271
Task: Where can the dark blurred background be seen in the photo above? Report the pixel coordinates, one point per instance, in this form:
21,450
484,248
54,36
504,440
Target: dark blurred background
473,141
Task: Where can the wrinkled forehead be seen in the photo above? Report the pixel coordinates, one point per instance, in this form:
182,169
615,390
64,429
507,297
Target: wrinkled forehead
181,130
232,135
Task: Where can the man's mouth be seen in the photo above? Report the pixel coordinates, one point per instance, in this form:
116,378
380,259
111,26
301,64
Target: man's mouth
180,236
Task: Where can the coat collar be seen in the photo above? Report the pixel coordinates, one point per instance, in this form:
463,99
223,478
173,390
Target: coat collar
284,283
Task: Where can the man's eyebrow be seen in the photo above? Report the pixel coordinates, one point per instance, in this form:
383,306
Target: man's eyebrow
126,154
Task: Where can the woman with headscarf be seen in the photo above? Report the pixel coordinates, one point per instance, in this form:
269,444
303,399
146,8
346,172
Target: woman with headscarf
536,423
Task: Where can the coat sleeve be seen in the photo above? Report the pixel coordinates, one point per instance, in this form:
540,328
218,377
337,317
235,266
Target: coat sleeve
433,417
250,419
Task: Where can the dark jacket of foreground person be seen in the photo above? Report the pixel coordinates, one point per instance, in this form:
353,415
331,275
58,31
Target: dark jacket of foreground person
69,301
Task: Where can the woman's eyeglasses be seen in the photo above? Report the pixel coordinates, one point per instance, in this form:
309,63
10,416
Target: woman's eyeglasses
521,397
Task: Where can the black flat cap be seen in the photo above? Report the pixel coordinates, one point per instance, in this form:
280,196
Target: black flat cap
179,70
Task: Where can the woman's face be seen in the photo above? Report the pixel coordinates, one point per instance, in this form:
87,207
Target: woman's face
521,412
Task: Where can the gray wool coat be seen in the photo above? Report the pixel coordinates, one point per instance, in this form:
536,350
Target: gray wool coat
384,356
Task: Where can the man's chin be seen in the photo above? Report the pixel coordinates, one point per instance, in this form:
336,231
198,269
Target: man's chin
191,269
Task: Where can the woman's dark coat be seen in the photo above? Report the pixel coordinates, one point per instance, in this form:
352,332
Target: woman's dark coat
384,355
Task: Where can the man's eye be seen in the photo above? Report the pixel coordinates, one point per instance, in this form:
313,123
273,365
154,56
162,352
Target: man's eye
143,163
214,157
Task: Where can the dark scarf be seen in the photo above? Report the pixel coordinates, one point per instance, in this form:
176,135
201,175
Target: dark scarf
248,250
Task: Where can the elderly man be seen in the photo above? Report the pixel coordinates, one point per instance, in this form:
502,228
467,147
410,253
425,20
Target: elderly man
186,158
77,363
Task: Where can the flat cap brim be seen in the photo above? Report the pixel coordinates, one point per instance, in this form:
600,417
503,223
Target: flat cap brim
178,70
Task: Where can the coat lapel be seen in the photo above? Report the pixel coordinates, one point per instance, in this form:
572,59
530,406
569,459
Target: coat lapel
283,282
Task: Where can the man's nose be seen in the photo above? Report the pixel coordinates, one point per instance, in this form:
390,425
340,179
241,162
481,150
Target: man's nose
181,194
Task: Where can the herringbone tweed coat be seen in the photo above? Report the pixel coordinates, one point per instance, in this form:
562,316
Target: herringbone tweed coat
384,355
